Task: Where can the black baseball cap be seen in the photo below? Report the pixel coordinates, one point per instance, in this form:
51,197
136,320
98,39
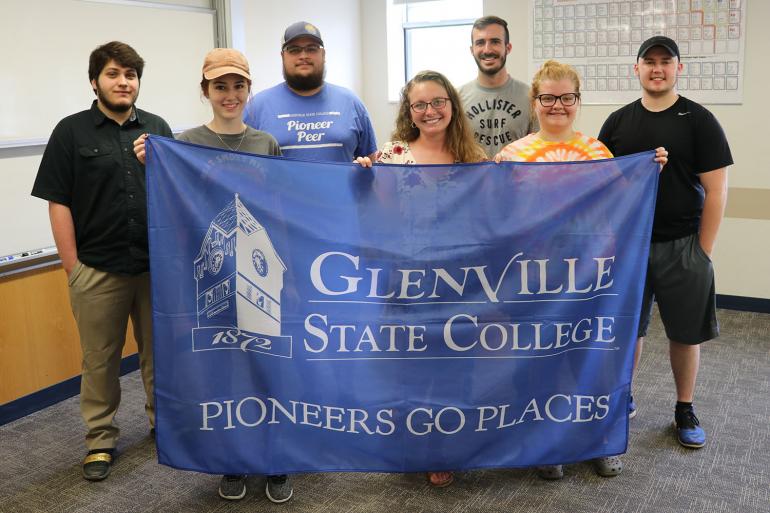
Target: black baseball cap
665,42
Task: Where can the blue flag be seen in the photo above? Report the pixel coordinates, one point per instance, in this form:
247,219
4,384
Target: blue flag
315,316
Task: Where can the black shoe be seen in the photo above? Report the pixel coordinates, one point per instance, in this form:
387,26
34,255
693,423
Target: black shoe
551,472
232,488
98,464
278,489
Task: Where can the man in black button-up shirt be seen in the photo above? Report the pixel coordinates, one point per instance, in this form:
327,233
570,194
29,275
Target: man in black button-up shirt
97,204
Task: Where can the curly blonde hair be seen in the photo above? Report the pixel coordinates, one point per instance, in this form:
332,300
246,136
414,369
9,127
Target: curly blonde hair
459,139
553,70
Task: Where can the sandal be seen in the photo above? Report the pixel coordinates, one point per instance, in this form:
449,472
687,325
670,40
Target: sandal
550,472
97,465
610,466
440,479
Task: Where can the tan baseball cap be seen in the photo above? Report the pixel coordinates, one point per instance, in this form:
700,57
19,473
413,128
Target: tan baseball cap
223,61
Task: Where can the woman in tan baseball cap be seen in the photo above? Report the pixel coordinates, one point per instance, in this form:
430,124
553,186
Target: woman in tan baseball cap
226,84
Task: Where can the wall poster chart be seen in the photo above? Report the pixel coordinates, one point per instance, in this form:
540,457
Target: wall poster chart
601,38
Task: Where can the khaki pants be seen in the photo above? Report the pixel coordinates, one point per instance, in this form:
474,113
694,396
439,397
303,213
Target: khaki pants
102,303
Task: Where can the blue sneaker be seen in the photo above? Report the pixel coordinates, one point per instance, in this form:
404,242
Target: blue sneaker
688,430
631,407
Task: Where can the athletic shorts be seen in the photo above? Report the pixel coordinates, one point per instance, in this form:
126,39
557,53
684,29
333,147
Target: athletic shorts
680,277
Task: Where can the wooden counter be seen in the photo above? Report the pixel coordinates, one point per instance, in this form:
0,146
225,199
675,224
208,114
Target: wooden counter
39,345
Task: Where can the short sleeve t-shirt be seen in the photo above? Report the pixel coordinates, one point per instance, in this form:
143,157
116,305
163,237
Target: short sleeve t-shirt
534,149
251,141
497,116
332,125
696,144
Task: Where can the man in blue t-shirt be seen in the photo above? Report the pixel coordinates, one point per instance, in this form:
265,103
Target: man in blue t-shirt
310,118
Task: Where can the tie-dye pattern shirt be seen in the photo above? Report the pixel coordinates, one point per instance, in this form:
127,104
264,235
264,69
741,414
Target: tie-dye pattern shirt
534,149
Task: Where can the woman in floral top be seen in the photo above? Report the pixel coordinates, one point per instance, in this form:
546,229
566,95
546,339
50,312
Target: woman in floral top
431,127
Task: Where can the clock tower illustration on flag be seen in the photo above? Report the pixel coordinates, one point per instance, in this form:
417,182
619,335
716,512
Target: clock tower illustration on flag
239,279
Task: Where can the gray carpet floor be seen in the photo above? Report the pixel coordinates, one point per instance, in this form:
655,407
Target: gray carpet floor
40,456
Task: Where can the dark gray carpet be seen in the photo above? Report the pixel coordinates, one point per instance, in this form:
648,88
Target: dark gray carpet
41,453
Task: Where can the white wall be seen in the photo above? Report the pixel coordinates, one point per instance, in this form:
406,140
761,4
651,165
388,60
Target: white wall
338,22
261,26
375,82
353,29
18,168
48,80
742,255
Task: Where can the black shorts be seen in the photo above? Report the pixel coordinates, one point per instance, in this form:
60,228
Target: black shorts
680,277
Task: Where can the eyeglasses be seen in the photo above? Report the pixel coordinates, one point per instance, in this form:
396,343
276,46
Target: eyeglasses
308,49
566,99
437,104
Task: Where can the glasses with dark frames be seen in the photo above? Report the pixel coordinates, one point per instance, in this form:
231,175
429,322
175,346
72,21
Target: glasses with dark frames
437,103
566,99
295,50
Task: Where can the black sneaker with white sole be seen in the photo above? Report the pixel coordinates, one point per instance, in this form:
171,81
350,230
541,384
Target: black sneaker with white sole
232,488
278,489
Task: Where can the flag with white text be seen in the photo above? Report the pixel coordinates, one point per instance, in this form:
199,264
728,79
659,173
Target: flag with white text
315,316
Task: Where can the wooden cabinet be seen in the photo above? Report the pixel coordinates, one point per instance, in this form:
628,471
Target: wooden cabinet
39,344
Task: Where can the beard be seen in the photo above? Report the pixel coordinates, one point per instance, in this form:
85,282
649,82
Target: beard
305,82
113,107
490,71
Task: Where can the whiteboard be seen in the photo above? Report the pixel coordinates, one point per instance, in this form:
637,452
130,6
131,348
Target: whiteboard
44,48
600,38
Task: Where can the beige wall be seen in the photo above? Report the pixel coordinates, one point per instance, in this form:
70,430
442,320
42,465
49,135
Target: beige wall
742,255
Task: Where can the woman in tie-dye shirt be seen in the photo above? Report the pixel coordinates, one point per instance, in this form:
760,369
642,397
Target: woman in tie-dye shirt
555,97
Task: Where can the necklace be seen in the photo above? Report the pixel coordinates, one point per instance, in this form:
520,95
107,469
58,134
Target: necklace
243,135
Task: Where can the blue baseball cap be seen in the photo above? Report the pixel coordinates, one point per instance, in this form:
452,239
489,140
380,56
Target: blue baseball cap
301,29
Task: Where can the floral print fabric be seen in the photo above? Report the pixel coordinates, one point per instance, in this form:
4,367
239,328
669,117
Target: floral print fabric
396,152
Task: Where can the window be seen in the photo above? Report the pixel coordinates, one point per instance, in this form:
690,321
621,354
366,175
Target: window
430,34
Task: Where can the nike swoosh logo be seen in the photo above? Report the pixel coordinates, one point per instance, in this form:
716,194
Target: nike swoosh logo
682,113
